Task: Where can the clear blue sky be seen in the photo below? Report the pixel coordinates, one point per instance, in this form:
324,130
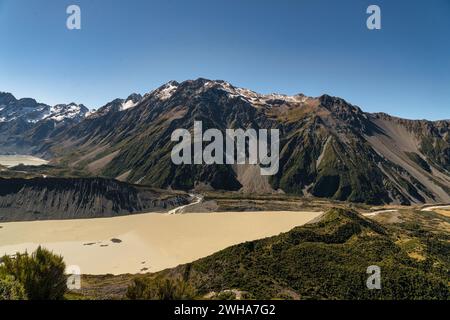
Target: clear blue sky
309,47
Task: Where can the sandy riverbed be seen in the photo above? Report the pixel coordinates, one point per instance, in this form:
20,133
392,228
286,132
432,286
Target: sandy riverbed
145,242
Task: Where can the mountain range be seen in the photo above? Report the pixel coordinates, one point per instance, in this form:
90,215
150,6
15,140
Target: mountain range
24,123
328,147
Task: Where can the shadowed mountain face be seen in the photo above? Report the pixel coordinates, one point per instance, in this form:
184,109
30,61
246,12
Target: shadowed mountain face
74,198
328,147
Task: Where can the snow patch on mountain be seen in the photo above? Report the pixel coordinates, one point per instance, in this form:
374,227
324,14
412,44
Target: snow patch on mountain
252,96
167,90
128,104
62,112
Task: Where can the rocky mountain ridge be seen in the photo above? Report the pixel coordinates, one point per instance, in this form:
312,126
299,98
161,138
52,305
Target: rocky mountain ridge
328,148
25,123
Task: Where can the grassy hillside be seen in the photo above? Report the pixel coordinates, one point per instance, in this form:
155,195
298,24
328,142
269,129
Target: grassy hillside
326,260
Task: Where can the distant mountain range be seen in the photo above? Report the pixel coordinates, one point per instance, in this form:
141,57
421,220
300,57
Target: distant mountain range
328,147
30,111
25,123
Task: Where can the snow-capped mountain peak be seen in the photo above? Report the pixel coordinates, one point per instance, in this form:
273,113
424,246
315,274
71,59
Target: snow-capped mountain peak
166,91
131,101
116,105
30,111
62,112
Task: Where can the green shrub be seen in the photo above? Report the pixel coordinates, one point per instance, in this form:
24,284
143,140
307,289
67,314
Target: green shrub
160,289
42,274
11,289
226,295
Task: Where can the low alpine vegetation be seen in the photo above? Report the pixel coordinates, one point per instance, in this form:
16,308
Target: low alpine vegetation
160,289
36,276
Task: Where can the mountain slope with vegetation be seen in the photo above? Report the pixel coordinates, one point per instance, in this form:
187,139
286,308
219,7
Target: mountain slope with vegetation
328,148
327,259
